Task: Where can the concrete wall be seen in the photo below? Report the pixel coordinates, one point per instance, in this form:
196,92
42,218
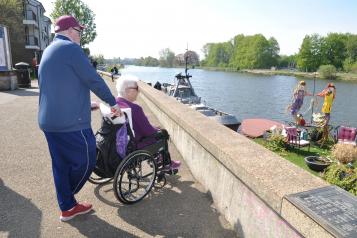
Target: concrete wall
246,181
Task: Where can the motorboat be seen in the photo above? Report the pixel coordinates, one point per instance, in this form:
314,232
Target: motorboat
184,92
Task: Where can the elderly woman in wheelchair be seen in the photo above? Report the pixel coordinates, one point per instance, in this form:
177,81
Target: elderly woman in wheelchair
130,150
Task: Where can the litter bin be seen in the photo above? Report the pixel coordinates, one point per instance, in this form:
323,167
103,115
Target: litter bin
36,70
23,75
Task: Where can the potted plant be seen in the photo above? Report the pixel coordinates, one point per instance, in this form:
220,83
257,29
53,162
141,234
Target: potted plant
343,174
317,163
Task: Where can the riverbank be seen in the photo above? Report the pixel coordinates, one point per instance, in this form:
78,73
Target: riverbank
340,76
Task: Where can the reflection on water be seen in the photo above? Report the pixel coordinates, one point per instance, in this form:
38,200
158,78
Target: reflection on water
252,96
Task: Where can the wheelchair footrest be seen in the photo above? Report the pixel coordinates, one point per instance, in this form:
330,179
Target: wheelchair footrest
171,171
160,180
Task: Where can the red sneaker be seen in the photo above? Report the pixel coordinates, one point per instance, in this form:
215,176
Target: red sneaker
80,208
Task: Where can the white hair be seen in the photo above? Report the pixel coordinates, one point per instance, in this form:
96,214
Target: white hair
124,82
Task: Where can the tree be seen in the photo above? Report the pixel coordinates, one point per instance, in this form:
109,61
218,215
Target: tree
192,57
351,52
218,54
273,51
99,58
11,15
351,47
285,61
254,52
333,49
81,12
167,58
310,55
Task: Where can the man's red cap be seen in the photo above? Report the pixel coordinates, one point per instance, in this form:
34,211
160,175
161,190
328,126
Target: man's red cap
65,22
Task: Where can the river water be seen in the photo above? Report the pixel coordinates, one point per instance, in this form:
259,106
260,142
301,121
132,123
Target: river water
256,96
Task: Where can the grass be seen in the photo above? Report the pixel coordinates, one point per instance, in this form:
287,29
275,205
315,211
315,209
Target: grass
297,155
340,75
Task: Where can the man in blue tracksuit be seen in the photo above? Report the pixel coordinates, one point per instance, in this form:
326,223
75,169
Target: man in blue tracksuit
66,78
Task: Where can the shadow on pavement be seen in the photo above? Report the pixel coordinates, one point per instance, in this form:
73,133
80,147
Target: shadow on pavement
33,91
19,217
92,226
177,210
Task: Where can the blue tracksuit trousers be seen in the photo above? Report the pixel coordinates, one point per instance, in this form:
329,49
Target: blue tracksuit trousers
73,159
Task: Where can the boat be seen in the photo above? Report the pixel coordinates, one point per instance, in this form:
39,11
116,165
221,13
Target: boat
256,127
184,92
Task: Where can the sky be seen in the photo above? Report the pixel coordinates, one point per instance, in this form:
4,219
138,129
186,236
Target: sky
141,28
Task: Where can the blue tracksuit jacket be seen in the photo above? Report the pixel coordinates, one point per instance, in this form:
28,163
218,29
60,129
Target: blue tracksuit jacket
66,78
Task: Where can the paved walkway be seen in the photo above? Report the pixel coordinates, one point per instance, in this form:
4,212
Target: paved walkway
28,205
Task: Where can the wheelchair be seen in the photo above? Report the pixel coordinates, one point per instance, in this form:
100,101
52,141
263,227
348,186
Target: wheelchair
134,175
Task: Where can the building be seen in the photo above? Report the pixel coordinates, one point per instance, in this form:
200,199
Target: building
29,28
37,28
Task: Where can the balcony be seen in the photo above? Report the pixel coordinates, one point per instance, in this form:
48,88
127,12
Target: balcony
32,42
30,18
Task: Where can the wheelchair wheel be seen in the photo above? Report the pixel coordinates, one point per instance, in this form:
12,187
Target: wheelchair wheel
95,177
135,177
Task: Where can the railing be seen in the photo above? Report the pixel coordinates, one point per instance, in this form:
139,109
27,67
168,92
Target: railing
30,15
31,40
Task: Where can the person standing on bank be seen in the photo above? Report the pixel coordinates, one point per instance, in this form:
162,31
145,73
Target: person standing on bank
66,79
329,95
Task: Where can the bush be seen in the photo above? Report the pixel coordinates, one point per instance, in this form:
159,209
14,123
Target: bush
344,153
354,67
276,143
340,175
327,71
350,66
316,134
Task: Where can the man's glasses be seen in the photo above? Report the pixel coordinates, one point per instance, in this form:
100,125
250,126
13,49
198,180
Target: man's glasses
79,31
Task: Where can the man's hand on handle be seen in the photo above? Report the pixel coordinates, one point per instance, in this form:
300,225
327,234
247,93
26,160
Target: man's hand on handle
116,111
94,106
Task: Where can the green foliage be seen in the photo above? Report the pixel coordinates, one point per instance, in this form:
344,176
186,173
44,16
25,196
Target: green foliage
11,15
254,52
350,66
333,49
327,71
276,143
342,176
81,12
86,51
99,58
167,58
339,50
218,54
351,47
113,61
316,134
354,67
287,61
147,61
243,52
310,54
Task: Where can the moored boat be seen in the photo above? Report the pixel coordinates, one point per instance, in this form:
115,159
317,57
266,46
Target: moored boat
183,91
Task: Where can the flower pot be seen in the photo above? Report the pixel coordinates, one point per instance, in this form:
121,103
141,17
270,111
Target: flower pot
317,163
